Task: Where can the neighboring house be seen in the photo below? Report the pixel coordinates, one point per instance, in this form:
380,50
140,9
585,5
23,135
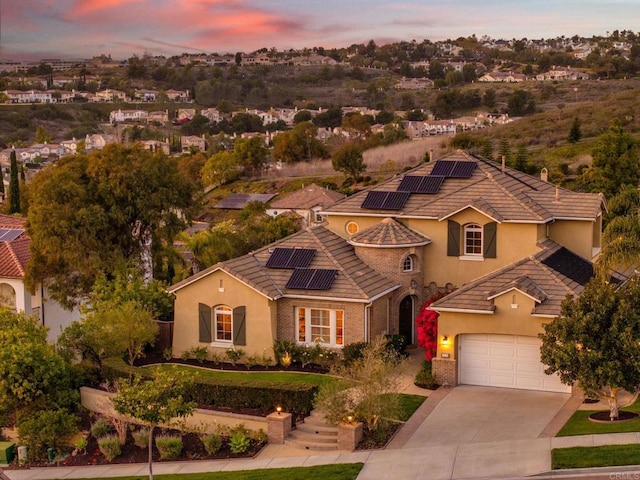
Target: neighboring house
308,60
190,142
562,73
212,114
119,115
110,95
30,96
146,95
14,255
156,146
307,203
159,116
98,141
177,95
508,245
505,77
185,114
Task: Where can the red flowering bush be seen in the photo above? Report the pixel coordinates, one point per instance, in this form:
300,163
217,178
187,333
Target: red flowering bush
427,327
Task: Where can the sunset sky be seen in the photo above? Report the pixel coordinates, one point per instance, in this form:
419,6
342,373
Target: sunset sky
35,29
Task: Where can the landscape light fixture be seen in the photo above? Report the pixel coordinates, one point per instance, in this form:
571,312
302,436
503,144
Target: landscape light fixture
278,409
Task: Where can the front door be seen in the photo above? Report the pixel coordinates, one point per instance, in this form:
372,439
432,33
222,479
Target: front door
406,319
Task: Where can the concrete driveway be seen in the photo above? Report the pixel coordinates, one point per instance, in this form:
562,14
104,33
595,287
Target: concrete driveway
470,414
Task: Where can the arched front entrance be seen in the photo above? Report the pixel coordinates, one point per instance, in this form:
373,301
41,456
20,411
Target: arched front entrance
405,319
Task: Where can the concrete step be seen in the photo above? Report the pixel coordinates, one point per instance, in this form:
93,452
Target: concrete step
312,437
307,445
310,428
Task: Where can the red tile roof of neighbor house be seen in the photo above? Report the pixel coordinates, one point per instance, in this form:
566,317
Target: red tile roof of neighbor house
14,253
504,194
355,280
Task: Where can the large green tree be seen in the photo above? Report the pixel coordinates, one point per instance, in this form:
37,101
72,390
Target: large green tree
33,375
349,160
616,161
595,341
298,144
90,215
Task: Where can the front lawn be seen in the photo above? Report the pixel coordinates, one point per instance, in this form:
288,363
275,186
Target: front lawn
579,423
340,471
587,457
408,405
264,376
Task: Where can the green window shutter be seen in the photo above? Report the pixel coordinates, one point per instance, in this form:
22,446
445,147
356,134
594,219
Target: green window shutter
490,240
205,323
239,326
453,239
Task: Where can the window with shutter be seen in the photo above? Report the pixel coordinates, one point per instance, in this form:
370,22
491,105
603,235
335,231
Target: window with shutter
453,239
239,326
204,314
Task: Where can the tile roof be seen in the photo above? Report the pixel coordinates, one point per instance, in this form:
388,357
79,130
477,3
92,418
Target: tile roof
506,196
389,233
355,281
548,282
308,197
14,254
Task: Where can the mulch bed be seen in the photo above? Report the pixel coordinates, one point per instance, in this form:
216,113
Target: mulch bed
603,416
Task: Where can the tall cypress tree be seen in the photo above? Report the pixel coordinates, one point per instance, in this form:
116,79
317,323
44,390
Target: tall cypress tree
14,185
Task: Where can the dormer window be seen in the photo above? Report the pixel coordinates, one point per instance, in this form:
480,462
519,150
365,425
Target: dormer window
472,239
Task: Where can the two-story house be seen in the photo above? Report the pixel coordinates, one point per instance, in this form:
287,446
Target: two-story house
506,245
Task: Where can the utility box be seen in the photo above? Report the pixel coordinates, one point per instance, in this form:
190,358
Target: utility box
7,452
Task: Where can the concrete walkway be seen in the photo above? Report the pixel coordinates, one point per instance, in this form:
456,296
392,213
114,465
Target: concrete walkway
503,433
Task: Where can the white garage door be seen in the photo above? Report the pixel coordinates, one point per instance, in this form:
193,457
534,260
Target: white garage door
505,361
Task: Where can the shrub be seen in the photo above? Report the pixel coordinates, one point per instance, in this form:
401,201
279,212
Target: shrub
234,355
424,377
169,446
101,428
167,353
141,437
239,442
110,447
282,347
44,429
212,443
81,445
259,436
397,345
353,352
251,361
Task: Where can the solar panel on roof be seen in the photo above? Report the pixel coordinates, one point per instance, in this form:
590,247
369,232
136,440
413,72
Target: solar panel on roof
10,234
410,183
291,257
463,169
386,200
443,168
312,279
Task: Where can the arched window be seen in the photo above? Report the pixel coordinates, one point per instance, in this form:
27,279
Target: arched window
7,296
473,239
408,264
224,323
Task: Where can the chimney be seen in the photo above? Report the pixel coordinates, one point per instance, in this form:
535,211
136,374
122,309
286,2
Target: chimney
557,199
544,175
504,162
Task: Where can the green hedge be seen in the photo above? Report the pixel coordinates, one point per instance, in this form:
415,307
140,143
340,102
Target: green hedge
237,395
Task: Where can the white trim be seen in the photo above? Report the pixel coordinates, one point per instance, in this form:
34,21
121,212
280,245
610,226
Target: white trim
518,290
462,310
342,299
464,208
197,277
221,344
474,258
403,245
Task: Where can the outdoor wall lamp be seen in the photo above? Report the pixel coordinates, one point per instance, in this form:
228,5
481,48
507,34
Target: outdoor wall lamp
445,340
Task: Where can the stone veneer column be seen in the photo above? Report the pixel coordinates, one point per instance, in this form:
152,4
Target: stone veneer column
349,434
278,427
445,371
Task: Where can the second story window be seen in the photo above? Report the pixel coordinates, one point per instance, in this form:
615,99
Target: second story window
407,264
473,239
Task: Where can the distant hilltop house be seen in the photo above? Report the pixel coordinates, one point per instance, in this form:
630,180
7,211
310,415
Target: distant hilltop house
156,146
212,114
177,95
118,116
159,116
30,96
562,73
98,141
191,142
111,96
145,95
309,60
504,77
306,203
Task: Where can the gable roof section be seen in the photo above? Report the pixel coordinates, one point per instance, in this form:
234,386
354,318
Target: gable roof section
355,281
506,196
543,280
389,233
14,251
308,197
